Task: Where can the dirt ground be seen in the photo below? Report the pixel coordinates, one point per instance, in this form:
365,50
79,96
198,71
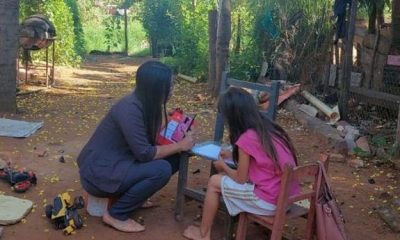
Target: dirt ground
81,97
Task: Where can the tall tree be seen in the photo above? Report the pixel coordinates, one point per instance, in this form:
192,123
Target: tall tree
396,24
160,20
212,49
223,39
9,13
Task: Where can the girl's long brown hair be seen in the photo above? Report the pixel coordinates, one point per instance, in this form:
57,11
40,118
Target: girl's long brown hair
241,113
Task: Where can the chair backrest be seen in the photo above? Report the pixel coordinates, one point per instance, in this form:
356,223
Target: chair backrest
272,90
299,174
307,172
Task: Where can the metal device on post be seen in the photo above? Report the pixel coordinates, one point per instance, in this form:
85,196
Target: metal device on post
38,32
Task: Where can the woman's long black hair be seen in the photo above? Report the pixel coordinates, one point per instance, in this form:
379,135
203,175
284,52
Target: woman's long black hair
153,86
241,113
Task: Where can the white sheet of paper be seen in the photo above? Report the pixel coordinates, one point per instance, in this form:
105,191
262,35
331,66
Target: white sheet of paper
210,151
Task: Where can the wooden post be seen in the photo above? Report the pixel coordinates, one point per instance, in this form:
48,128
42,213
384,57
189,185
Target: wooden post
348,62
47,66
9,22
223,39
327,69
396,24
126,30
212,48
53,59
397,143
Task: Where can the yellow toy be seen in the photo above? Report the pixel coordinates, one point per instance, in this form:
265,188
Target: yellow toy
64,212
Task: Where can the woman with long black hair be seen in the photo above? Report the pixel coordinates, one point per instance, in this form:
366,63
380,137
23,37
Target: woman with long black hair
122,159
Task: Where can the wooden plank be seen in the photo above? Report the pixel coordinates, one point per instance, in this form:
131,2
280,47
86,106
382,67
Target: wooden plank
251,85
376,95
356,79
187,78
194,194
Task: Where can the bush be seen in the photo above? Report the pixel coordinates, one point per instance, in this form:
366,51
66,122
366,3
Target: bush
79,37
171,62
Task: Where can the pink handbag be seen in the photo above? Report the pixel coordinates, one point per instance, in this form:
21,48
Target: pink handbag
329,218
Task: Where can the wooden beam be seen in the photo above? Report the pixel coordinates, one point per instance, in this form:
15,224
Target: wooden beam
397,143
348,62
377,98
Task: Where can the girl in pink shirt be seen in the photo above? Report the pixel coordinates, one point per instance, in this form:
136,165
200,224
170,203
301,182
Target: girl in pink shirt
261,149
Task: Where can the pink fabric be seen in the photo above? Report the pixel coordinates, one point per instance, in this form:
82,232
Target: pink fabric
262,172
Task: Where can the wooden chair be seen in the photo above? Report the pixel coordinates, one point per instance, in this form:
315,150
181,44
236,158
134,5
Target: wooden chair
186,193
277,222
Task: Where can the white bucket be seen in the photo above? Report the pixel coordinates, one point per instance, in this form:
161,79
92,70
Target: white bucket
96,206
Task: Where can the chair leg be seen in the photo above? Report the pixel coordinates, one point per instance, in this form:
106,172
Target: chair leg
277,231
242,227
229,226
182,181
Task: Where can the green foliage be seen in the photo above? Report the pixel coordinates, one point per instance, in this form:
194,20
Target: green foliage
141,52
183,27
379,141
79,38
291,33
160,20
361,153
192,41
113,34
172,62
97,37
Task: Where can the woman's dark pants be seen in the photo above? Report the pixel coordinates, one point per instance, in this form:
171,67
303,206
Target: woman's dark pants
141,182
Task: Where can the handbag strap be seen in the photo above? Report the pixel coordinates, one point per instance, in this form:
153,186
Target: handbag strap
323,184
319,181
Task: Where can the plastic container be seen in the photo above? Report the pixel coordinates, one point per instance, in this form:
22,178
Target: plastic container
96,206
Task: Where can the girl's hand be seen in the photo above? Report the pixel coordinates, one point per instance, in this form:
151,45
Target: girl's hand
225,154
220,165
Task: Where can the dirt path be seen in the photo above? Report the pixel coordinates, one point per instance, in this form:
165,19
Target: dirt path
73,108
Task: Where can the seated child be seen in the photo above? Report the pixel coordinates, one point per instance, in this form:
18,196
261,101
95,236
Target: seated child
261,149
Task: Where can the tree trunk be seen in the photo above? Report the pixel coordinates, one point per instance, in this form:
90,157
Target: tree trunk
223,39
238,34
396,24
212,48
154,47
126,30
9,25
372,19
348,62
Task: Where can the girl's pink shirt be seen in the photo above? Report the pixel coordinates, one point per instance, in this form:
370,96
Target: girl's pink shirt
262,172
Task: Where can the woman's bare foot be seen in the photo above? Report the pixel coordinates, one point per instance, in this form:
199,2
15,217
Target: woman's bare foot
194,233
128,225
148,204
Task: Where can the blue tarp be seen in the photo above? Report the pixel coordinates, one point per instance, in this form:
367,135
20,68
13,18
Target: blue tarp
19,129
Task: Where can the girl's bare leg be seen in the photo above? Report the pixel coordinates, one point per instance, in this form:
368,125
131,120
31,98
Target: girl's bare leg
210,208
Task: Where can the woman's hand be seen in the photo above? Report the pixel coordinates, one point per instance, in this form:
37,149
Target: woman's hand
220,165
187,142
